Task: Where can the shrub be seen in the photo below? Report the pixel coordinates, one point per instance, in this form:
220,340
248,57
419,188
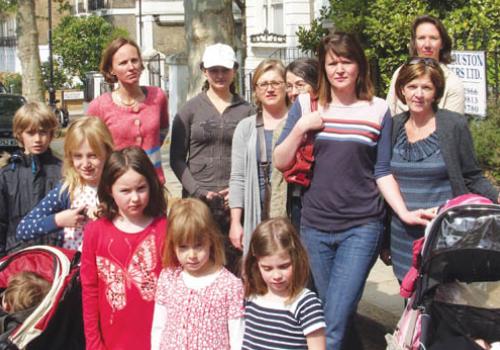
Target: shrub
486,135
13,82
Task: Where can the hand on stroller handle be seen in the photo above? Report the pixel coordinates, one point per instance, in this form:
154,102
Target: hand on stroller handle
419,216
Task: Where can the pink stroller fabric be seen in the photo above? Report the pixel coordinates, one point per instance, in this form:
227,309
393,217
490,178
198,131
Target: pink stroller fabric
408,284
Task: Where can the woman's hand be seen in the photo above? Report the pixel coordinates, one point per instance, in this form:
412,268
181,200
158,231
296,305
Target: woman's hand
236,234
310,121
71,217
418,217
225,195
211,195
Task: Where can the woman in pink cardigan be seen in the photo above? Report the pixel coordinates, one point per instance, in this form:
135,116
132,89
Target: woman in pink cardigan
135,115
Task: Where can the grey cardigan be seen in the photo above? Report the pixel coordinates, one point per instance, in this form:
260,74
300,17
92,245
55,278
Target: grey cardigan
244,189
457,148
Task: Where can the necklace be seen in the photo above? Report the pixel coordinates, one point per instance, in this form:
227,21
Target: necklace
130,103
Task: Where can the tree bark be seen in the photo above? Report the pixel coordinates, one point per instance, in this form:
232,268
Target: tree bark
27,50
206,22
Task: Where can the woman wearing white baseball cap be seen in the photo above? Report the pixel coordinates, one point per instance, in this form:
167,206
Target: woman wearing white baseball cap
202,132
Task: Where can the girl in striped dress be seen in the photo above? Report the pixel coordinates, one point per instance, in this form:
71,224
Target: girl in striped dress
280,313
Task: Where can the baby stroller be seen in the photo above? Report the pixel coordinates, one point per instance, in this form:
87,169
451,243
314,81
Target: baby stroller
456,299
57,322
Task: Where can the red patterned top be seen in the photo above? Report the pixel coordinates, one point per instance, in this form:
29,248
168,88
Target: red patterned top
198,318
119,272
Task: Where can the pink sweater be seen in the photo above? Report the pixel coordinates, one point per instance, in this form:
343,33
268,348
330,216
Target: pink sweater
146,127
119,273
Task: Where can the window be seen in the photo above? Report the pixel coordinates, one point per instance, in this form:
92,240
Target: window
273,10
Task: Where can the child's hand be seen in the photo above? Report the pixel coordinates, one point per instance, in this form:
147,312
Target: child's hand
71,217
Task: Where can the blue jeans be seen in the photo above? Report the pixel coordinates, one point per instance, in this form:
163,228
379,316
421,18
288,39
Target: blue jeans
340,263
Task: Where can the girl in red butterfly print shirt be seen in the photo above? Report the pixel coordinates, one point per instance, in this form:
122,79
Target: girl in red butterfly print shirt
121,257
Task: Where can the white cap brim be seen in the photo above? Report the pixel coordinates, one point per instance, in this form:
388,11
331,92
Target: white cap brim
222,63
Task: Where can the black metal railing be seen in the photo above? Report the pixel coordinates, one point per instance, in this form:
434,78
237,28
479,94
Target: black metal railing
8,41
154,70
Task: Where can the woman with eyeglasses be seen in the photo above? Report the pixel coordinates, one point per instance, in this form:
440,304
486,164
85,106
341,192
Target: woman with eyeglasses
429,38
301,78
202,133
433,156
342,209
253,177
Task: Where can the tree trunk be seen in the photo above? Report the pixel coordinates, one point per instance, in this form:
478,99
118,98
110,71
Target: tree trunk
27,50
206,22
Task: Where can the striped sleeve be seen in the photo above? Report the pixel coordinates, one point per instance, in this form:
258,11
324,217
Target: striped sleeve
309,313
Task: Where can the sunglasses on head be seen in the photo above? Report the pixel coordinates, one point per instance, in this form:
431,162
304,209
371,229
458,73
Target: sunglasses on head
425,60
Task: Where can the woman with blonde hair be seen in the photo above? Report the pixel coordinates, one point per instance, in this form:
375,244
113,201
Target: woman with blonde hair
252,173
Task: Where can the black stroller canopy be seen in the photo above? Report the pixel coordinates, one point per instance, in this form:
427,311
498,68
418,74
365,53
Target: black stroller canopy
463,243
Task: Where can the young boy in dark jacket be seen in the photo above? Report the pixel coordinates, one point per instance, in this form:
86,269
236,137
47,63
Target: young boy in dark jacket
28,174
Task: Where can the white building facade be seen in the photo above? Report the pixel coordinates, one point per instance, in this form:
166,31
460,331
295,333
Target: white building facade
271,27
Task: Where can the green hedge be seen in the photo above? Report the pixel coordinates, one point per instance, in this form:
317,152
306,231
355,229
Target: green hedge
13,82
486,135
383,27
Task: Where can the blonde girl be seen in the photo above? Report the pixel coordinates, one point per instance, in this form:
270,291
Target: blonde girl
69,205
280,312
121,257
199,304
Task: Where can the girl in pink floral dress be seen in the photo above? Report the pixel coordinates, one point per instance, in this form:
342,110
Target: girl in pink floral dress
199,304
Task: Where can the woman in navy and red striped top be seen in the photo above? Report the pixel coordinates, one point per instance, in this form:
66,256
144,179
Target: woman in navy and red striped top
342,210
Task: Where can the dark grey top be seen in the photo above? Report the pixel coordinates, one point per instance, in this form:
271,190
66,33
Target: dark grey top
200,153
457,149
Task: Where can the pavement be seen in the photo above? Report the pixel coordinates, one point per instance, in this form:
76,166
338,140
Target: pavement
380,303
